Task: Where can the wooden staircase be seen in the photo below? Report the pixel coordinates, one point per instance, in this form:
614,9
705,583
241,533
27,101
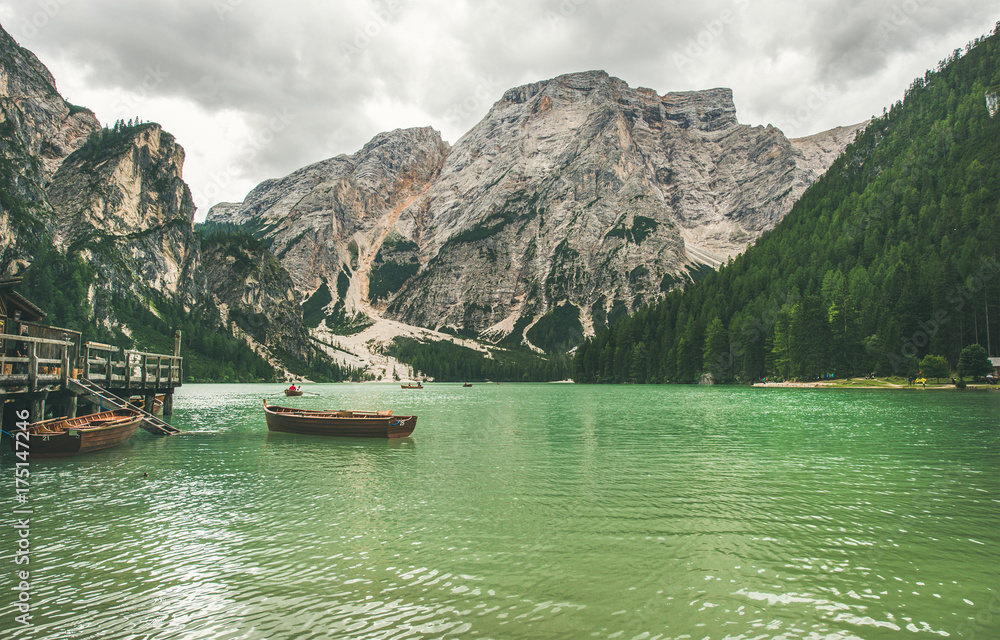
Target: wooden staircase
87,389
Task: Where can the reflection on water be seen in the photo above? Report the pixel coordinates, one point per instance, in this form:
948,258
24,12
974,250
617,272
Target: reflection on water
530,511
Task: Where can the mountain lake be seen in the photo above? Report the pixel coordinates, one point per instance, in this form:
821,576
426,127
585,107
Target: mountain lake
526,511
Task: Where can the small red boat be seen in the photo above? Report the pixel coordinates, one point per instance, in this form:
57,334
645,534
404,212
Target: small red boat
72,436
352,424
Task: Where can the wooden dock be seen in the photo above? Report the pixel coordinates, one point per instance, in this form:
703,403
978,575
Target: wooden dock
48,374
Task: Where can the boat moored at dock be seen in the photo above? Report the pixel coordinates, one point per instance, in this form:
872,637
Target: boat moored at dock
63,437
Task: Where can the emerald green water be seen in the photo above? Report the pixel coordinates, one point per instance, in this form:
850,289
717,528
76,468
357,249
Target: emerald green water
528,511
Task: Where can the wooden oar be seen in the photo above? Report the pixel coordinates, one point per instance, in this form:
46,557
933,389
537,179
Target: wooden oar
38,424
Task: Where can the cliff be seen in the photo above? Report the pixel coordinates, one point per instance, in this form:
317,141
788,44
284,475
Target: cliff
122,202
38,130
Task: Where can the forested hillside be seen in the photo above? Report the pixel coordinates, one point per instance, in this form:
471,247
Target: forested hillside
891,256
59,283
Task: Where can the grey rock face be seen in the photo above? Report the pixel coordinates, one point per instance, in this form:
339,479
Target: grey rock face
128,207
254,294
37,131
578,190
331,218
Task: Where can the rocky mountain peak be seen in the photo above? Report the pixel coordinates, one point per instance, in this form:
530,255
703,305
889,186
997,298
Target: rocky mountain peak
579,194
707,110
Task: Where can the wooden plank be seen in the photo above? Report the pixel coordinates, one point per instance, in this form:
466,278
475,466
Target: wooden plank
18,338
100,346
33,368
86,363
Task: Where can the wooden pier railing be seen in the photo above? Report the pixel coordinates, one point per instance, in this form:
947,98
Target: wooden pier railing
134,370
44,364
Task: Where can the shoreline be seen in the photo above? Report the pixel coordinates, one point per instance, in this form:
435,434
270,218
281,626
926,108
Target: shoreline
845,384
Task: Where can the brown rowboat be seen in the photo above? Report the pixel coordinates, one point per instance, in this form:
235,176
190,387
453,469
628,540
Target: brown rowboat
72,436
352,424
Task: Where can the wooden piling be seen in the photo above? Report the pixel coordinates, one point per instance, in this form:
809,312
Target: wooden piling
33,368
37,404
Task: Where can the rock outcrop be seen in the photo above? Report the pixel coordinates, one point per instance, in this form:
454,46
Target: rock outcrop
38,130
575,191
122,201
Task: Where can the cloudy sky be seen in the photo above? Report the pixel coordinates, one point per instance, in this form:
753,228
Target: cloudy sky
255,89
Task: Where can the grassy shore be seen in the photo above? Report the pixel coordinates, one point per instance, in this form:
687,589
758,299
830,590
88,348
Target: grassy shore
877,383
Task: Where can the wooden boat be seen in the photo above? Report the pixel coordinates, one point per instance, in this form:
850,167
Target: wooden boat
72,436
352,424
467,384
140,402
293,393
412,386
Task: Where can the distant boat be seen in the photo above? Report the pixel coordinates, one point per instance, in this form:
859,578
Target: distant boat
352,424
293,392
412,386
467,384
63,437
140,402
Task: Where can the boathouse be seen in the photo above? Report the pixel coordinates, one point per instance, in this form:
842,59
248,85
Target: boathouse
51,372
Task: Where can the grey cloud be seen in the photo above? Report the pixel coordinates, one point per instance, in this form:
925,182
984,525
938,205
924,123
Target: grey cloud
450,60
